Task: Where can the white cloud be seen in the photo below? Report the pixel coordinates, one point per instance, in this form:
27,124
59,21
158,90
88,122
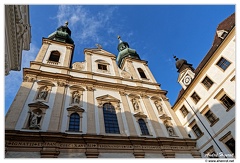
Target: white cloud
87,26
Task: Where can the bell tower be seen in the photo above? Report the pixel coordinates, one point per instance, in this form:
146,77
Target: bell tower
57,49
186,72
129,60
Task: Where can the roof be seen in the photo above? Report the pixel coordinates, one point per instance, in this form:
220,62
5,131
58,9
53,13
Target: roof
227,25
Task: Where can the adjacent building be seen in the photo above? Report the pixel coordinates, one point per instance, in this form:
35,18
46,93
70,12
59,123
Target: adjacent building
206,103
17,35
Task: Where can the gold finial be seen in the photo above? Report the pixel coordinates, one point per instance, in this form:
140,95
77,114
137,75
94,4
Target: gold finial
66,23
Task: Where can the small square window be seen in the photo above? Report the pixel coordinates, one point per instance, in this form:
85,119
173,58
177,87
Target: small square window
227,102
210,153
195,97
211,117
207,82
102,67
184,111
223,63
231,145
197,131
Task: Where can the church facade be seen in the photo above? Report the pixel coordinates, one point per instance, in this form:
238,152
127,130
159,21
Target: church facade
104,107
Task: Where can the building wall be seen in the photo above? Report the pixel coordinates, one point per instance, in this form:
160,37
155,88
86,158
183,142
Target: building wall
223,80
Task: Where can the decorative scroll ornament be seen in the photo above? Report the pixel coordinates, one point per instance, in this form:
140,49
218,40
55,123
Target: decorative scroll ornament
78,65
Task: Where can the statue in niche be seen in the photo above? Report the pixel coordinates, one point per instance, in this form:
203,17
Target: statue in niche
170,129
76,97
135,104
159,107
43,93
34,120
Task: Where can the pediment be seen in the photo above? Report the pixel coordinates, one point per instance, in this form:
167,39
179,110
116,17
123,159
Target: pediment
140,115
38,104
77,87
46,82
165,117
99,52
155,98
108,98
75,109
133,96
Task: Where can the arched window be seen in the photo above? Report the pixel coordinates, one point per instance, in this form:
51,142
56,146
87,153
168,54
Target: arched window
110,119
54,56
141,73
143,127
74,122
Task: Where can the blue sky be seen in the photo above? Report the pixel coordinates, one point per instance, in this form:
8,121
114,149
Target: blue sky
156,32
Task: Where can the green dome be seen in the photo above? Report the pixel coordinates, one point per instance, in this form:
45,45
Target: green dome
63,34
125,51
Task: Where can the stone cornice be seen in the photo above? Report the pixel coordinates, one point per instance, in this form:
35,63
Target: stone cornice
86,81
49,41
92,73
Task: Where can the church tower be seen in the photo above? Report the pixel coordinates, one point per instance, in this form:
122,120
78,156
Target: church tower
95,108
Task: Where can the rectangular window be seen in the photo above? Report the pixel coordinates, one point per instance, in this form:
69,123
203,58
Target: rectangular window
207,82
195,97
211,117
227,102
197,131
231,145
223,63
210,153
102,67
184,111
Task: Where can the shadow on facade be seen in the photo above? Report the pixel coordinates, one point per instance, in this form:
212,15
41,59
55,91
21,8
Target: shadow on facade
54,121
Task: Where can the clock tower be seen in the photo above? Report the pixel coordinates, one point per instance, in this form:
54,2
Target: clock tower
186,72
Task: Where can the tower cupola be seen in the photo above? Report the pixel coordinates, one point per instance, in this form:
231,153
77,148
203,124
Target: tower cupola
63,34
182,64
125,51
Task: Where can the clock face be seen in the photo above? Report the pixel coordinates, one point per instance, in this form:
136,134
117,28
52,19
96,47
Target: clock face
187,80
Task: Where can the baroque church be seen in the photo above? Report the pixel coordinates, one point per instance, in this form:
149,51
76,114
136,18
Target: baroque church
112,107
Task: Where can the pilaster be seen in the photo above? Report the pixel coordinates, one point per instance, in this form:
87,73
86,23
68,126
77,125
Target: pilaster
58,107
89,64
42,52
17,106
115,67
153,118
150,73
128,114
91,125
